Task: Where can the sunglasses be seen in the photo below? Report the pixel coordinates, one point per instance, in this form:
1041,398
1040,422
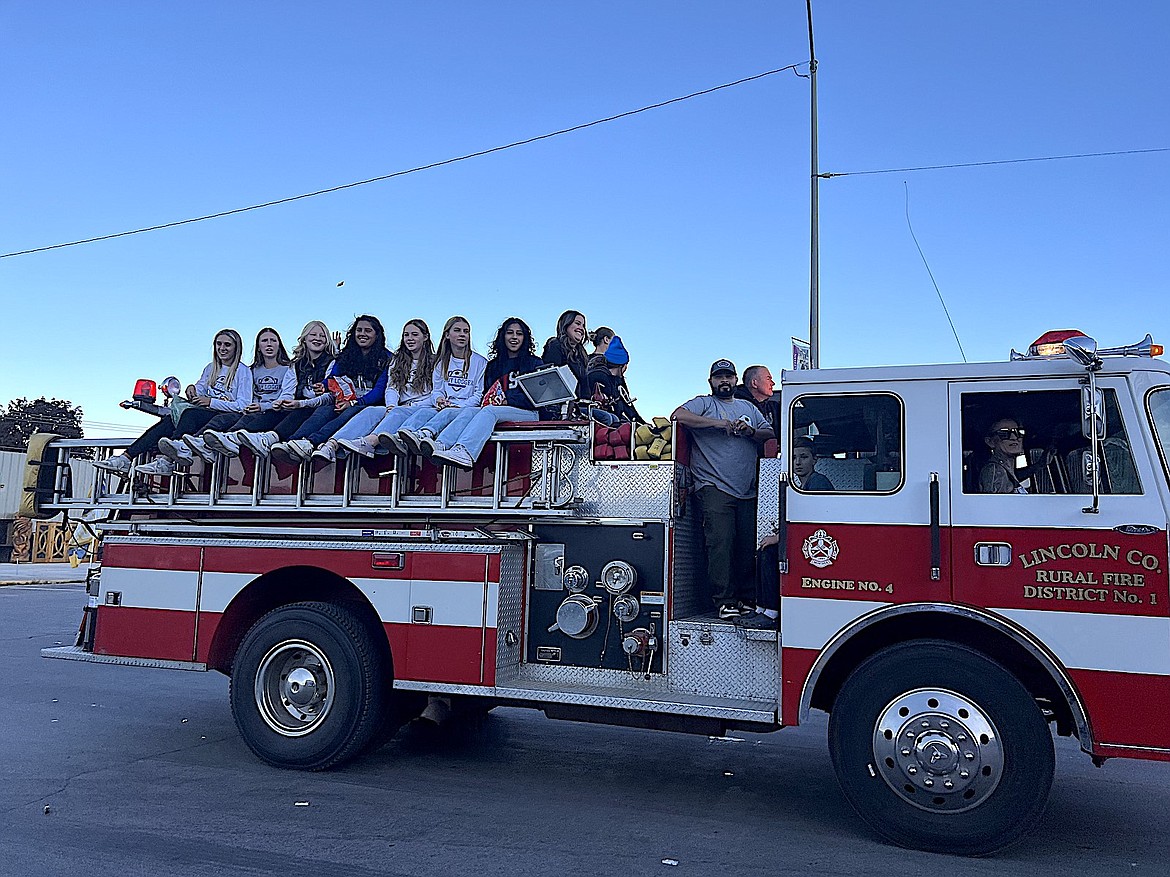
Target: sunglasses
1004,434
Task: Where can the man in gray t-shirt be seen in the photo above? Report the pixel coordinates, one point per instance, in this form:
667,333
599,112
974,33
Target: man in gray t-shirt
725,433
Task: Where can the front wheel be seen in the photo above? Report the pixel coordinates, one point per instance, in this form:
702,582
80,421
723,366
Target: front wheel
940,748
310,687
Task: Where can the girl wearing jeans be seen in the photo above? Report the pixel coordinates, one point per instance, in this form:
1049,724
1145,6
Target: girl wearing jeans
463,439
409,382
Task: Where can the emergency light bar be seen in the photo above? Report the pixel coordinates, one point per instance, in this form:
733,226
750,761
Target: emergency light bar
1051,345
145,390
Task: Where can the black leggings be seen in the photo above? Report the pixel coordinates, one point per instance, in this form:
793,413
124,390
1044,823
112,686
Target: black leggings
189,421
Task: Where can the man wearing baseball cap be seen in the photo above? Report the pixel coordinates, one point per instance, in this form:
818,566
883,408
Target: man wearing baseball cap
725,434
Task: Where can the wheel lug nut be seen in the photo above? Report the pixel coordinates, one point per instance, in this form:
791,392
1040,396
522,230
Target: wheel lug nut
964,774
925,723
928,782
961,738
970,756
948,784
944,724
912,770
905,753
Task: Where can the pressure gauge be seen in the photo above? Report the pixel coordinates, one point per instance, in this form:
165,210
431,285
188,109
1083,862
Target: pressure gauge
617,577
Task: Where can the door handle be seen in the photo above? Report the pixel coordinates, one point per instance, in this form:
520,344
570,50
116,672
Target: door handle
420,614
993,554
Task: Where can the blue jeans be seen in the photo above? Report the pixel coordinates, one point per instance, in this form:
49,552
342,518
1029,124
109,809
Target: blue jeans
472,427
431,419
325,421
441,420
363,423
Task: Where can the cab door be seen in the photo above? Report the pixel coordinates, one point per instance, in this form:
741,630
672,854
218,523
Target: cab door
864,535
1089,586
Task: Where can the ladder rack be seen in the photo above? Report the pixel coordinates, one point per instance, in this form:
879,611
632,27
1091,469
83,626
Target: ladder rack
525,471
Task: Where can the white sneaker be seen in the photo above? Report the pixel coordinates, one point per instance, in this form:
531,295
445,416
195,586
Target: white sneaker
199,445
282,453
120,464
223,442
327,451
157,466
176,452
456,456
300,448
259,442
407,441
428,443
363,445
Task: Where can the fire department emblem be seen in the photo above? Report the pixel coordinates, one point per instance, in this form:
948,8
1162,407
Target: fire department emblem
821,549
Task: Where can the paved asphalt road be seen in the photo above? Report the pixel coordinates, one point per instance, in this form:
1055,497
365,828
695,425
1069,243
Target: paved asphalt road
142,772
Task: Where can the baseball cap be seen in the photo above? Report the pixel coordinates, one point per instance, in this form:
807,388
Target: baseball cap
722,365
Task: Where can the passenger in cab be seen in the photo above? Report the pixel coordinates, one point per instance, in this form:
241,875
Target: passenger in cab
804,461
513,353
355,380
311,359
1001,474
224,385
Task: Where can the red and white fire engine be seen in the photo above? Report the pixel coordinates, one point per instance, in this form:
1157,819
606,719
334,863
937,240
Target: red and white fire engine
946,631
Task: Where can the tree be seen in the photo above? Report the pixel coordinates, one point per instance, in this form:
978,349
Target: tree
24,417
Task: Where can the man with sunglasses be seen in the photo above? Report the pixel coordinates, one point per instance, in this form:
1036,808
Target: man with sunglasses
1000,474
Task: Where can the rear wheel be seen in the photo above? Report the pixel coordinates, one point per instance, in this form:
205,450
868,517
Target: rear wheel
310,687
940,748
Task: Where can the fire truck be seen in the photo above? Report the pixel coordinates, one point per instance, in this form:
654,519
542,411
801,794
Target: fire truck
948,629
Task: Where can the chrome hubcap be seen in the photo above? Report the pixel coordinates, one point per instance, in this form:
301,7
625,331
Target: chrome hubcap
294,688
938,750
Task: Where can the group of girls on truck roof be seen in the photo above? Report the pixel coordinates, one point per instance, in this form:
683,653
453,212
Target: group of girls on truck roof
337,396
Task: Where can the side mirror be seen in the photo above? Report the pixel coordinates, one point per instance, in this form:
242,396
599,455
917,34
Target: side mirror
1092,412
1084,350
1088,467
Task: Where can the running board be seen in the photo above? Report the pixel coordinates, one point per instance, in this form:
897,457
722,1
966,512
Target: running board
77,653
672,703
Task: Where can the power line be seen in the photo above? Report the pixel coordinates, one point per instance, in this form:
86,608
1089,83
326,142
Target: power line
941,300
939,167
413,170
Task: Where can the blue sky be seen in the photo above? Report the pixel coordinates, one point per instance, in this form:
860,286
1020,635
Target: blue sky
686,228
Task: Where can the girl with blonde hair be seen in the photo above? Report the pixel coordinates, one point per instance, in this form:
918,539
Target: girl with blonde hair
224,385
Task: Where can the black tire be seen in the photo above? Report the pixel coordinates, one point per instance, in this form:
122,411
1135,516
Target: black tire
310,687
919,715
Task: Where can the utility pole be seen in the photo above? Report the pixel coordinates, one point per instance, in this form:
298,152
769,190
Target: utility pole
814,268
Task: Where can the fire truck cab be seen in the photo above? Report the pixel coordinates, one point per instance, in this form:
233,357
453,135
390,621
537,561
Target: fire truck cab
949,605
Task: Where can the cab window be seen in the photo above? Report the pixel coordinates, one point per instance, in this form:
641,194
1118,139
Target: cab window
846,443
1158,403
1030,442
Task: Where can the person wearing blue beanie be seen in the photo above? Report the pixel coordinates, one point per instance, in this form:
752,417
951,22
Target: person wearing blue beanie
608,383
